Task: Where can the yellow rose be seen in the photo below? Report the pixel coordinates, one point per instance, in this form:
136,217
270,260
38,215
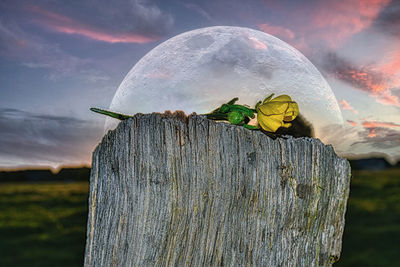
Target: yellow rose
277,112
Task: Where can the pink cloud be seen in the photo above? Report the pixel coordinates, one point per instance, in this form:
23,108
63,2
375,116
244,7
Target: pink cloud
328,22
377,84
101,36
387,98
336,21
257,44
346,106
340,20
390,69
379,81
278,31
63,24
352,123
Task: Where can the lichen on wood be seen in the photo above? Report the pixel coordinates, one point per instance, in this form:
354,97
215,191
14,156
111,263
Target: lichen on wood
171,190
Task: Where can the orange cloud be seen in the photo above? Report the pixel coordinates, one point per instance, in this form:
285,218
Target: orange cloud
63,24
346,106
378,84
372,126
367,79
352,123
372,133
375,124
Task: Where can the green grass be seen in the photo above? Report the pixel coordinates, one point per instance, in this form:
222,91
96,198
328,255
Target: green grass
43,224
372,231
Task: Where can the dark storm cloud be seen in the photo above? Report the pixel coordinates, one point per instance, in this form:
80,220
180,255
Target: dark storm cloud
360,77
383,135
379,84
29,138
388,20
379,137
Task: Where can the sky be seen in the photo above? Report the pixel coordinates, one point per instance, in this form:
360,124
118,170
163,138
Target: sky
58,58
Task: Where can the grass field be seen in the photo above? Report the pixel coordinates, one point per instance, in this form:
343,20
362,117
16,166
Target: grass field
43,224
372,231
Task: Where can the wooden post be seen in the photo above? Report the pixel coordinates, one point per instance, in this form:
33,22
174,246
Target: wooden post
170,190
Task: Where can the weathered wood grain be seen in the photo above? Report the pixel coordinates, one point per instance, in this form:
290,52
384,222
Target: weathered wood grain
187,191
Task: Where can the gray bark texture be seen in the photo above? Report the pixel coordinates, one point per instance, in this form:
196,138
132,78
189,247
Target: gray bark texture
171,190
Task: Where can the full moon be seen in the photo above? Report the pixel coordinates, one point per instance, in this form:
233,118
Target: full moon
199,70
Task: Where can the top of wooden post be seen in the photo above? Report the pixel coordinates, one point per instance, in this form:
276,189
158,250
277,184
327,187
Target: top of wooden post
176,190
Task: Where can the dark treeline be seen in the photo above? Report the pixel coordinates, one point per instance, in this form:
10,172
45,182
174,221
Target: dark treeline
372,164
64,175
